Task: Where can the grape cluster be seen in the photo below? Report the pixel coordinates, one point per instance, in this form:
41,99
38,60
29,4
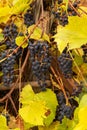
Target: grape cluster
71,11
63,20
84,47
60,1
65,65
10,33
61,16
63,109
28,18
7,69
39,55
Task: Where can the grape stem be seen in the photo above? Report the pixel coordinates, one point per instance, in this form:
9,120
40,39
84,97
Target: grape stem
61,84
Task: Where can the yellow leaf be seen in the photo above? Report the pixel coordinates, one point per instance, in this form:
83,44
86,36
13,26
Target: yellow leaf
37,33
74,33
34,113
17,9
27,94
82,114
3,125
19,41
4,11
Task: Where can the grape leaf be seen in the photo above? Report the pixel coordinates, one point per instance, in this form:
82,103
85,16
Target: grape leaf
82,114
5,11
66,3
47,99
83,101
16,129
37,33
74,33
20,6
26,95
3,125
1,37
53,126
20,40
34,113
51,102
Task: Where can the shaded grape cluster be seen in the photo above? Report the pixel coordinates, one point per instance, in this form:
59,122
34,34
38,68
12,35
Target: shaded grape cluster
10,33
41,61
63,20
61,16
71,11
63,109
84,47
7,69
65,65
28,18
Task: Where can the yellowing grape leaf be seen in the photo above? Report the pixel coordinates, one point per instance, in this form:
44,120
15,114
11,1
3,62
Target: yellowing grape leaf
20,40
26,95
66,3
51,102
47,100
37,33
17,9
53,126
83,101
4,11
74,33
1,37
20,6
34,113
16,129
82,114
3,125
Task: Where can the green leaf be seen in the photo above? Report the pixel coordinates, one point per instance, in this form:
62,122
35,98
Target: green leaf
20,40
34,113
37,33
83,101
74,33
51,102
66,124
3,125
